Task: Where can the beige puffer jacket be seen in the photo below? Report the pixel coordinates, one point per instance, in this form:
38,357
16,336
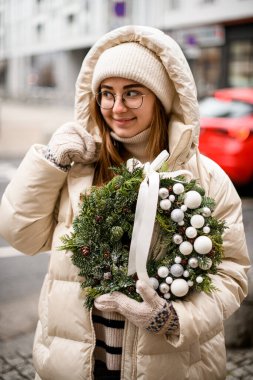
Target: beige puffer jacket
38,206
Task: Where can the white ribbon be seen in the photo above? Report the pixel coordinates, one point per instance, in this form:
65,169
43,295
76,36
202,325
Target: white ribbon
146,212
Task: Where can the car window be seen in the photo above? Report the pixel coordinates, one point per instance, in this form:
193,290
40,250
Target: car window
211,107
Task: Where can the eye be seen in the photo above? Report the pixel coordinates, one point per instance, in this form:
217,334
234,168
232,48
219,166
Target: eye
132,94
106,95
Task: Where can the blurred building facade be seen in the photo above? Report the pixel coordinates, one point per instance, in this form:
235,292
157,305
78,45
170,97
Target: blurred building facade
43,42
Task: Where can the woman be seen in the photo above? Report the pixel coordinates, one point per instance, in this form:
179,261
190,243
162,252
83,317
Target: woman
135,96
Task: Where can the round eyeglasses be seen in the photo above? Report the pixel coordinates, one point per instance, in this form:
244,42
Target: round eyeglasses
131,99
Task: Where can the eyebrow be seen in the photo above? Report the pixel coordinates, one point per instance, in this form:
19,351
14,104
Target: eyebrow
124,87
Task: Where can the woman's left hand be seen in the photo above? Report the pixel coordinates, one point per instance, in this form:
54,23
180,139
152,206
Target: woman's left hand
153,314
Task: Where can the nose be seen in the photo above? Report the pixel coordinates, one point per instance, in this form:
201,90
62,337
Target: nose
119,105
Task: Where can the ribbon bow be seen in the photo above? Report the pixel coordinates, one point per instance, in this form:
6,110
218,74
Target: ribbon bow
145,213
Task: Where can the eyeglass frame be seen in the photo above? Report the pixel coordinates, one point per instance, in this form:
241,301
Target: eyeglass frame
122,99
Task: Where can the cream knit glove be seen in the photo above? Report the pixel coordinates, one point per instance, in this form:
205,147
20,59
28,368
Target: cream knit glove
153,314
70,143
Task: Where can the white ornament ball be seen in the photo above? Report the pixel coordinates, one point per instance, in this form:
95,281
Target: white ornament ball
205,264
178,188
167,296
177,239
197,221
154,282
164,288
206,230
192,199
206,211
163,192
186,248
190,283
179,287
191,232
163,271
177,215
172,198
193,262
203,245
199,279
186,273
176,270
169,280
165,204
183,208
181,223
177,260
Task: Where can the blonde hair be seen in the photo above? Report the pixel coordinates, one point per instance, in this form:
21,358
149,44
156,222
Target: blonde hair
111,151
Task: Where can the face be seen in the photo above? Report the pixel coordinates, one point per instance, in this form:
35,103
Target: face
125,121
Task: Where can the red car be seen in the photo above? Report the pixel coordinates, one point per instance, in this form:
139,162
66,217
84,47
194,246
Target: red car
226,133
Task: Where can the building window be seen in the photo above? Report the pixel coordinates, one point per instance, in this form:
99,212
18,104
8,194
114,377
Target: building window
240,71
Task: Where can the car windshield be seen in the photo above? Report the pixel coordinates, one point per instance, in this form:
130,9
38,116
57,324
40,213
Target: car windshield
212,107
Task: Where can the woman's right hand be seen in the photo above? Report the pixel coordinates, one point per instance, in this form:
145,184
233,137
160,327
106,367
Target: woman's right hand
71,143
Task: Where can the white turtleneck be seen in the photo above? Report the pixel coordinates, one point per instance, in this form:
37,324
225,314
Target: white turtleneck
135,146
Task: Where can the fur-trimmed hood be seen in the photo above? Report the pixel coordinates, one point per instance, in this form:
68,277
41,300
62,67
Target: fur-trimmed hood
183,128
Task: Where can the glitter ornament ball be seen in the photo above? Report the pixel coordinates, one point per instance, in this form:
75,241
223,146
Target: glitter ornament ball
205,264
178,188
191,232
177,215
183,208
154,282
186,248
163,192
199,279
197,221
164,288
192,199
177,239
163,271
177,260
203,245
179,287
186,273
193,262
190,282
176,270
165,204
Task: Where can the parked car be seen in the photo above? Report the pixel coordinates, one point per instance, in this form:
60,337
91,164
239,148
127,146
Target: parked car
226,133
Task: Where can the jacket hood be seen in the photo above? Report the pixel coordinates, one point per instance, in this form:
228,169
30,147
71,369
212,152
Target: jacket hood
183,127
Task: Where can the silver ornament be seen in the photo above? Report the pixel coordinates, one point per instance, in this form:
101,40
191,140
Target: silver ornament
206,230
178,188
169,280
176,270
177,215
164,288
192,199
163,192
177,239
193,262
163,271
206,211
165,204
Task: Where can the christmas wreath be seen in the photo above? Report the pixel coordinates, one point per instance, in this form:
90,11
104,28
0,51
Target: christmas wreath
189,237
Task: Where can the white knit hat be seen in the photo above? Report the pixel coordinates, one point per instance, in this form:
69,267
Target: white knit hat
133,61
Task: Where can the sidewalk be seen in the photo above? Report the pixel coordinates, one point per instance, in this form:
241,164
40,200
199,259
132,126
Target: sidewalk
23,124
